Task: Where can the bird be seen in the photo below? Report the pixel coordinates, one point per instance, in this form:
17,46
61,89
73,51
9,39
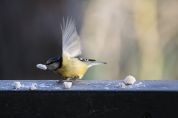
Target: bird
70,66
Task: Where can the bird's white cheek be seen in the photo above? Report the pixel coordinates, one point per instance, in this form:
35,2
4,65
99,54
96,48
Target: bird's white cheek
41,66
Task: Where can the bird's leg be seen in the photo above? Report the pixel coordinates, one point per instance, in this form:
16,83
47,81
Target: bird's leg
59,81
64,80
67,80
75,79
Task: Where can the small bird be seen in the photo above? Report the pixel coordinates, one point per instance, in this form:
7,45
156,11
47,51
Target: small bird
69,65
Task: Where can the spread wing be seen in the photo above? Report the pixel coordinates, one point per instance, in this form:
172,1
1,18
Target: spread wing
70,38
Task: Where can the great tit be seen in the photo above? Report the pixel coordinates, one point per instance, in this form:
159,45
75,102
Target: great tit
69,65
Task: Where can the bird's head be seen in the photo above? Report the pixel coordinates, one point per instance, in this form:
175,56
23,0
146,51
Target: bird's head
54,63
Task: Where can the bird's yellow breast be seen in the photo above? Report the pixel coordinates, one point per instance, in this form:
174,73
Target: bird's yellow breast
72,67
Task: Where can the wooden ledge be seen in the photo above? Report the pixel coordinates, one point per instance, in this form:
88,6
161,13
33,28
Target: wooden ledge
91,85
89,99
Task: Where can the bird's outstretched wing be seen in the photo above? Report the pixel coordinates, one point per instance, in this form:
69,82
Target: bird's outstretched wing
70,38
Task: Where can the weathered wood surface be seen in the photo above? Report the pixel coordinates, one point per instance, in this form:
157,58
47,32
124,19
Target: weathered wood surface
91,85
89,99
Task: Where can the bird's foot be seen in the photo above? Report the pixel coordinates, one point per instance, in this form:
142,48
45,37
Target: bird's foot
73,80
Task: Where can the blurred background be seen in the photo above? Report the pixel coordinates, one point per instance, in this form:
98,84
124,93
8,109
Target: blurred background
135,37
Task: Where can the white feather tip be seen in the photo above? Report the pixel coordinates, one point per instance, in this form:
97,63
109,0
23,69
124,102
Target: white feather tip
41,66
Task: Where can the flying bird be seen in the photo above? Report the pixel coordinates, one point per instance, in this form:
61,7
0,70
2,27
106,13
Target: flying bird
69,65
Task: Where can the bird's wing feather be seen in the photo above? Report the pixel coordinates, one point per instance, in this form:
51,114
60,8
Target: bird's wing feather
70,38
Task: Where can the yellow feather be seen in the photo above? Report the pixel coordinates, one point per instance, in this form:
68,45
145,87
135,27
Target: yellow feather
72,67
